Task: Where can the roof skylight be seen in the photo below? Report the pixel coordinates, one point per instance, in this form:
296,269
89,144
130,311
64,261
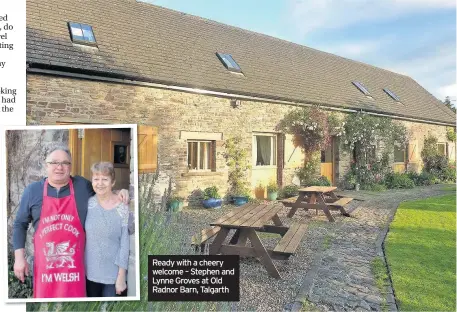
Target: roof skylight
361,87
391,94
81,33
229,62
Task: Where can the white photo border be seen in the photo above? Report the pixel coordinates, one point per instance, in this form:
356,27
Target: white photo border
3,205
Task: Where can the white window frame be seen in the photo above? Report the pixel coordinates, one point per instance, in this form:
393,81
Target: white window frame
198,155
274,150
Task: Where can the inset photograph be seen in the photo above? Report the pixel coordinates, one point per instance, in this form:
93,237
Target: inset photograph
71,213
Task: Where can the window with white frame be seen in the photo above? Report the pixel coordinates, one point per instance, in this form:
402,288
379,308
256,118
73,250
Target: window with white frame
264,150
200,155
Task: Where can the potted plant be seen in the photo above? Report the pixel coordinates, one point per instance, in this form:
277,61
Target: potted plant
259,191
175,203
272,191
240,196
238,164
211,198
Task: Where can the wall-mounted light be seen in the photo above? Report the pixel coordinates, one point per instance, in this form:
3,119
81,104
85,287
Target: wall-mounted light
235,103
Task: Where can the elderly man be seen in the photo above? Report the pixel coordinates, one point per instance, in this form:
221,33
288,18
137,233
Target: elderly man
57,207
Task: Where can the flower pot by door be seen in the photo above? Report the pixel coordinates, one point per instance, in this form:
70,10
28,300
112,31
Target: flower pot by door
272,195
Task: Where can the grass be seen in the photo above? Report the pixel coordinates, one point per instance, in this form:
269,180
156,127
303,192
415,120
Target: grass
421,253
381,278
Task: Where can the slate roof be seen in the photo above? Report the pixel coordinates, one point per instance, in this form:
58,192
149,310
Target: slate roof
145,42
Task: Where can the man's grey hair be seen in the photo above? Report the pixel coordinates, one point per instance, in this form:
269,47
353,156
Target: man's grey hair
57,147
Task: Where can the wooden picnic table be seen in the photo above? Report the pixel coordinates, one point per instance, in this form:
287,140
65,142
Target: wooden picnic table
247,221
319,198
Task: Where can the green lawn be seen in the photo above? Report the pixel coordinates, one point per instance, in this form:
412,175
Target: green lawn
421,252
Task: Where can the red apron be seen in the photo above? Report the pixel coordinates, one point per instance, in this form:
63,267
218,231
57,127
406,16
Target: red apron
58,269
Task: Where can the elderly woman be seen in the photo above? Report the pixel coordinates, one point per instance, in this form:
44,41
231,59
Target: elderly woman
107,238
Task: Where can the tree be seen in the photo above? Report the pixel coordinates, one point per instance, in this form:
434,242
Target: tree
447,102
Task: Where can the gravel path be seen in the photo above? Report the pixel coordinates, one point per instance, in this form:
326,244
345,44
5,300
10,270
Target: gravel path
331,268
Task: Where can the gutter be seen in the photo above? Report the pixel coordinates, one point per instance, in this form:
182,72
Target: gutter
223,94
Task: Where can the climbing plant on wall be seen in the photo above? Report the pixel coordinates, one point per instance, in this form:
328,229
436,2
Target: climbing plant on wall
312,130
362,135
311,127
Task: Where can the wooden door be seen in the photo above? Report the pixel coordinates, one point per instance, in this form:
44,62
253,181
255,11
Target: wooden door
327,162
89,146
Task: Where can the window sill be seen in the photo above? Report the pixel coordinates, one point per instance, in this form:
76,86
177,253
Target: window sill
202,173
264,167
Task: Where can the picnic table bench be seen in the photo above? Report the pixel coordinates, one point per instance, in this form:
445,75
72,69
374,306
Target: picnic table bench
319,198
247,221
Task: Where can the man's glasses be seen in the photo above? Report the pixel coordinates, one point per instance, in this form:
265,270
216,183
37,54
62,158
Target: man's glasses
59,163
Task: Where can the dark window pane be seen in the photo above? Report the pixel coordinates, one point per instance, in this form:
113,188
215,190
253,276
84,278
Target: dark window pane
192,155
264,150
442,149
399,154
326,156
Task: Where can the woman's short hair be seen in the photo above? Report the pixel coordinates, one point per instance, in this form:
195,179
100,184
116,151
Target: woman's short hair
105,168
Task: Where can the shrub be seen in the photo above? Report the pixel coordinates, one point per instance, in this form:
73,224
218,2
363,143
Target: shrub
320,181
272,187
312,128
309,172
288,191
436,164
423,179
211,192
367,174
238,166
399,181
17,289
450,135
349,180
430,148
449,173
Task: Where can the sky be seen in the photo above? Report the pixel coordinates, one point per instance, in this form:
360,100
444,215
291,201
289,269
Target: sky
416,38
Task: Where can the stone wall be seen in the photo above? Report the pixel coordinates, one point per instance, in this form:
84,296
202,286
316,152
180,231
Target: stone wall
418,132
51,99
26,153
